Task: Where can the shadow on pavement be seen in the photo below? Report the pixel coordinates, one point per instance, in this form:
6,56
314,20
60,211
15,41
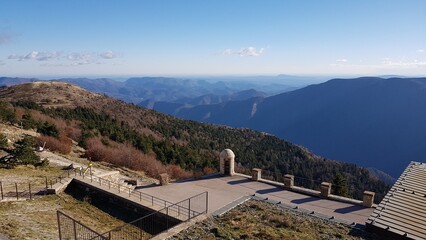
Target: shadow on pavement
240,181
270,190
304,200
349,209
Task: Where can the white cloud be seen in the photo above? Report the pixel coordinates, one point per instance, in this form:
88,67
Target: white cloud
81,58
244,52
342,60
227,52
108,55
76,58
420,51
250,52
413,63
34,55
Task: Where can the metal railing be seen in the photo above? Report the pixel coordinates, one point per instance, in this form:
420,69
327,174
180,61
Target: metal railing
147,199
142,228
71,229
35,187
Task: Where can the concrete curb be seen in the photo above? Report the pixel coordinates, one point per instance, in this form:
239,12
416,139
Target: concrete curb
231,205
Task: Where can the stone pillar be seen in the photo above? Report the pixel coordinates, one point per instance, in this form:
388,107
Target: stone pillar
368,199
288,181
325,189
164,179
227,162
256,174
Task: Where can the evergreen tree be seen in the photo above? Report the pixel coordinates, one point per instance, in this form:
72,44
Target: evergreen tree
24,153
28,122
3,141
340,185
6,114
49,129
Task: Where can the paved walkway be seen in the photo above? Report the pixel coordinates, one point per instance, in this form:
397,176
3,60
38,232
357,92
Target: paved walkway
225,189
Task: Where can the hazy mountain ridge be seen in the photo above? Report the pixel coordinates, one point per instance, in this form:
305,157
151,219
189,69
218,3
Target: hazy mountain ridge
174,108
193,145
369,121
190,92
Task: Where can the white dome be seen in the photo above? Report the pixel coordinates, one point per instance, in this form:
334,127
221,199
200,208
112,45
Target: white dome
227,153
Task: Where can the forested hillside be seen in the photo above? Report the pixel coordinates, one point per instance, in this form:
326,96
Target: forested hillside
125,134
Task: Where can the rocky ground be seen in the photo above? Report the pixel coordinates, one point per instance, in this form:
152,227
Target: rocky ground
261,220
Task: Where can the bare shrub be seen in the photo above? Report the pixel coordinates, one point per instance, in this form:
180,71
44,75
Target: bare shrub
209,170
127,156
62,145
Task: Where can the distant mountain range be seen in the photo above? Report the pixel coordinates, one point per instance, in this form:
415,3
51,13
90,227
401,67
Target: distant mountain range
193,146
370,121
174,90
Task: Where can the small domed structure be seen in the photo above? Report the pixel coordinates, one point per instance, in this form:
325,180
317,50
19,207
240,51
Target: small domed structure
227,161
227,153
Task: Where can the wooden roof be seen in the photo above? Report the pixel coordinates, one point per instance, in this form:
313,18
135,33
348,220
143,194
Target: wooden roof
402,212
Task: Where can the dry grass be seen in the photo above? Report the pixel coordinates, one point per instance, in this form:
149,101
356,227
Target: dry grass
36,219
261,220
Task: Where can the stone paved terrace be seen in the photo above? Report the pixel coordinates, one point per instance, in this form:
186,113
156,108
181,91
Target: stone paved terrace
226,189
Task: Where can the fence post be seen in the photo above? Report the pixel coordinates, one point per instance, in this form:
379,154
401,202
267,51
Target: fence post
152,200
129,192
167,219
59,225
109,184
29,189
140,197
17,195
189,209
75,229
60,179
51,185
47,185
100,184
1,190
207,201
118,188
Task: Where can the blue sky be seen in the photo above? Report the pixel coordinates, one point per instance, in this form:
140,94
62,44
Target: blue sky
220,37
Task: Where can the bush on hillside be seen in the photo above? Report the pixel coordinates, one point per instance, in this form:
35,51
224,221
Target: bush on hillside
6,113
61,145
48,129
127,156
23,153
3,141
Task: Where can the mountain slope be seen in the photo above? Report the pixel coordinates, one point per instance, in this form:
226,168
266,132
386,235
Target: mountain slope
174,108
369,121
175,141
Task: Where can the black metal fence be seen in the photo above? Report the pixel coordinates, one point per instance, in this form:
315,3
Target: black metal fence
71,229
36,187
142,228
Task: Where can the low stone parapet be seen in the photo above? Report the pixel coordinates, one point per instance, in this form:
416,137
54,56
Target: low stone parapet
288,181
256,174
325,189
368,199
164,179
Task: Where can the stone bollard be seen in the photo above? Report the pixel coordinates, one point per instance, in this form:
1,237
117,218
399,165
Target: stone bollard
368,199
288,181
164,179
256,174
325,189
